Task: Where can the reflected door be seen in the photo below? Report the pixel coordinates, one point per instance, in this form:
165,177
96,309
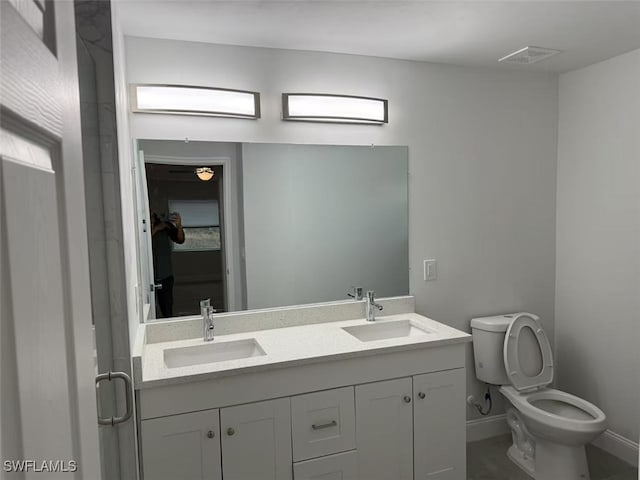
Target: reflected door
145,267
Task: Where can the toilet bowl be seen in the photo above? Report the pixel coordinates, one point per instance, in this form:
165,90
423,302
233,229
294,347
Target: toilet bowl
558,416
560,424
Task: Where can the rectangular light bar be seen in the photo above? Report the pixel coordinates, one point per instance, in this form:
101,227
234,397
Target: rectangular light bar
191,100
320,107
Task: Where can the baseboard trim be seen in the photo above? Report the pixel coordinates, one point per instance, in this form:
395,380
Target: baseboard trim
619,446
486,427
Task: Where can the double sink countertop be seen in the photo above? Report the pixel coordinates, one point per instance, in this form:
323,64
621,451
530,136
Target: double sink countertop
171,352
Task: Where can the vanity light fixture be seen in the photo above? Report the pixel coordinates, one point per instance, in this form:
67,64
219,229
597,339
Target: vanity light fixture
194,100
322,107
204,173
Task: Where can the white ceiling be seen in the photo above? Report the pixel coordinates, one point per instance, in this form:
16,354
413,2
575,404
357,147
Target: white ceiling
462,33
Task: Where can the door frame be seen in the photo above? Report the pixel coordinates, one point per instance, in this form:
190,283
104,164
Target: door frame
227,226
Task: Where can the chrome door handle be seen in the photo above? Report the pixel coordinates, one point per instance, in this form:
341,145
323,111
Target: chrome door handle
128,391
330,424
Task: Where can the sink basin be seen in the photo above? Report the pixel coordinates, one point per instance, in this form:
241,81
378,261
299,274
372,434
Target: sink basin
384,330
212,352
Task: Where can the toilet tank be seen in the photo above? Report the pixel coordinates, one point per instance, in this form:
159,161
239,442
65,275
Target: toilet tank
488,345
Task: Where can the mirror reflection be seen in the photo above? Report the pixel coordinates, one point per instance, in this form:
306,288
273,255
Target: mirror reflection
252,225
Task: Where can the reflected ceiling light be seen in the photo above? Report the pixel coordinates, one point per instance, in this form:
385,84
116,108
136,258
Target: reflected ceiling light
188,100
320,107
204,173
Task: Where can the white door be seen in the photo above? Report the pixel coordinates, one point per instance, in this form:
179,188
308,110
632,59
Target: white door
48,404
185,447
256,441
384,429
439,425
143,217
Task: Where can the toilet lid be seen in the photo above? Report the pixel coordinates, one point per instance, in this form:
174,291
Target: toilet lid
527,353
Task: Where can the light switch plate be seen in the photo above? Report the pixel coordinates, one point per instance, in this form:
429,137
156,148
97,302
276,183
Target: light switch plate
430,270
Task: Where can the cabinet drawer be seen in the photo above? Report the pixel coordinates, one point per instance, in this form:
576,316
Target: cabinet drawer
323,423
341,466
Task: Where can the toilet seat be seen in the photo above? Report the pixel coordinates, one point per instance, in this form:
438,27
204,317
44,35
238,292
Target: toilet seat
518,376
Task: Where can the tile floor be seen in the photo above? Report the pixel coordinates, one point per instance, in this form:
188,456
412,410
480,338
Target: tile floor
487,460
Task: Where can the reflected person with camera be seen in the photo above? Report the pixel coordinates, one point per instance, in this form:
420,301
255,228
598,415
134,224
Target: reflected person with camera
165,230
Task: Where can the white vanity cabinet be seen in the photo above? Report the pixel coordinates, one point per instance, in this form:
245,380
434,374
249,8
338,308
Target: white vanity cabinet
412,423
396,415
183,446
256,441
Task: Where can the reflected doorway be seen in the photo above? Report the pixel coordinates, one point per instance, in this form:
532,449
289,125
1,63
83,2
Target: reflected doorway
186,206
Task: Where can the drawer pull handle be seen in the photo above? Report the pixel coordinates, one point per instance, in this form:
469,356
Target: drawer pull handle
210,434
330,424
407,399
230,431
422,395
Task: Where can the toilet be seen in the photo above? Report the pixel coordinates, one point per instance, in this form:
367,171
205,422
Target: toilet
550,428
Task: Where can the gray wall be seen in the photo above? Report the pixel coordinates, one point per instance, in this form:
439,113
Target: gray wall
482,159
598,244
320,218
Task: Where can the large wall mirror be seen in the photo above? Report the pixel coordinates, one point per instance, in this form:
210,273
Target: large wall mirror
257,225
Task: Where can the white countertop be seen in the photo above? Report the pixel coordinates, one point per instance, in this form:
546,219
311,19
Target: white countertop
289,346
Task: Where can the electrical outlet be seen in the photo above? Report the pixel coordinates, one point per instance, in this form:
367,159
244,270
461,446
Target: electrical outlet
430,270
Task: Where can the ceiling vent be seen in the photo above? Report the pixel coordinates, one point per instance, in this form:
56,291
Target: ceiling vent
528,55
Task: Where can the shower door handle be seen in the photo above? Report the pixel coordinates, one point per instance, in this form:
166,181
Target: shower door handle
128,391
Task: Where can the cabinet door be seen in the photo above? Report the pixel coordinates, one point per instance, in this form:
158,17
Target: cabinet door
182,446
256,441
439,425
384,430
340,466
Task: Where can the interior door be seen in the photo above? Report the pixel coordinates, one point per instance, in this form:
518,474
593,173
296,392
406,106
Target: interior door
144,235
48,404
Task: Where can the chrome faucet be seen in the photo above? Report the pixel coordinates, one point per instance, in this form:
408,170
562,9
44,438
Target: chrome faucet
355,293
371,306
207,320
204,304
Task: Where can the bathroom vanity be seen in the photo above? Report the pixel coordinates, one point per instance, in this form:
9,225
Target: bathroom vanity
303,393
